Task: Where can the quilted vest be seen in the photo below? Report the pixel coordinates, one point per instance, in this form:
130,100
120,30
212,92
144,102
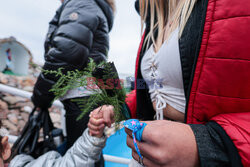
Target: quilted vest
221,83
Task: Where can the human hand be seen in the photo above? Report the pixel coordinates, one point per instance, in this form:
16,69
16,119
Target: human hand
6,149
166,143
100,117
108,114
96,123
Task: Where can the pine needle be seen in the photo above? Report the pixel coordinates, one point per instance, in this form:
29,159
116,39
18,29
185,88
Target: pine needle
102,96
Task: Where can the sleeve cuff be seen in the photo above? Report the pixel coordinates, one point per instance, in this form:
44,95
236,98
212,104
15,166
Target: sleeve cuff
211,149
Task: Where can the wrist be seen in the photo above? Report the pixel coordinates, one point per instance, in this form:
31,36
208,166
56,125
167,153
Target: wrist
100,135
100,142
96,135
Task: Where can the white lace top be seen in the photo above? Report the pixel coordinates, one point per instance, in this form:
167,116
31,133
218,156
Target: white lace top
163,74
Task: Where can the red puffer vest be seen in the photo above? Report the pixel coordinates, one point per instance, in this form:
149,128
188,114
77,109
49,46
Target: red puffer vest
221,84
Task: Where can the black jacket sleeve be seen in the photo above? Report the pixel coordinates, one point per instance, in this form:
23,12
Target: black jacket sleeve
52,27
69,49
215,147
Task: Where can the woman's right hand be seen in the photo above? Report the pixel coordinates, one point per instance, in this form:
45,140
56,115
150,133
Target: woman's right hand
165,143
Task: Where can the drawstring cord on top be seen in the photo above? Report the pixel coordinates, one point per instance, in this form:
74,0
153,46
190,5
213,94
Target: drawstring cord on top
160,105
160,102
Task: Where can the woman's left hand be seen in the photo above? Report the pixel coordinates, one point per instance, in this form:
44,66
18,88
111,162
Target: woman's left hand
166,143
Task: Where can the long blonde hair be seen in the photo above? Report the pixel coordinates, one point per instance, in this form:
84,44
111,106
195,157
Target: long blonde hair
165,16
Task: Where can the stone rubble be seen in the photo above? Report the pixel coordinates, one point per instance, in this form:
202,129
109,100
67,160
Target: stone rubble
14,111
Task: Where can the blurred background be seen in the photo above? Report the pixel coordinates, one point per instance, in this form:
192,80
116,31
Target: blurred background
24,24
27,21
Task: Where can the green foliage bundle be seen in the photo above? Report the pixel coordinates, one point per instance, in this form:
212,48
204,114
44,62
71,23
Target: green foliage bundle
110,90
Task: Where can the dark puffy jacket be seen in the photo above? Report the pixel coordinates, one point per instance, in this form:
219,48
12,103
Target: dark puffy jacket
78,31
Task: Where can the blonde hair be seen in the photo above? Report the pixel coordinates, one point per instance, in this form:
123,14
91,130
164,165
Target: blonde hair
165,16
112,4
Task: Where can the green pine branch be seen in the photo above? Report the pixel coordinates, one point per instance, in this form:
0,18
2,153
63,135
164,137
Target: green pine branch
102,96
